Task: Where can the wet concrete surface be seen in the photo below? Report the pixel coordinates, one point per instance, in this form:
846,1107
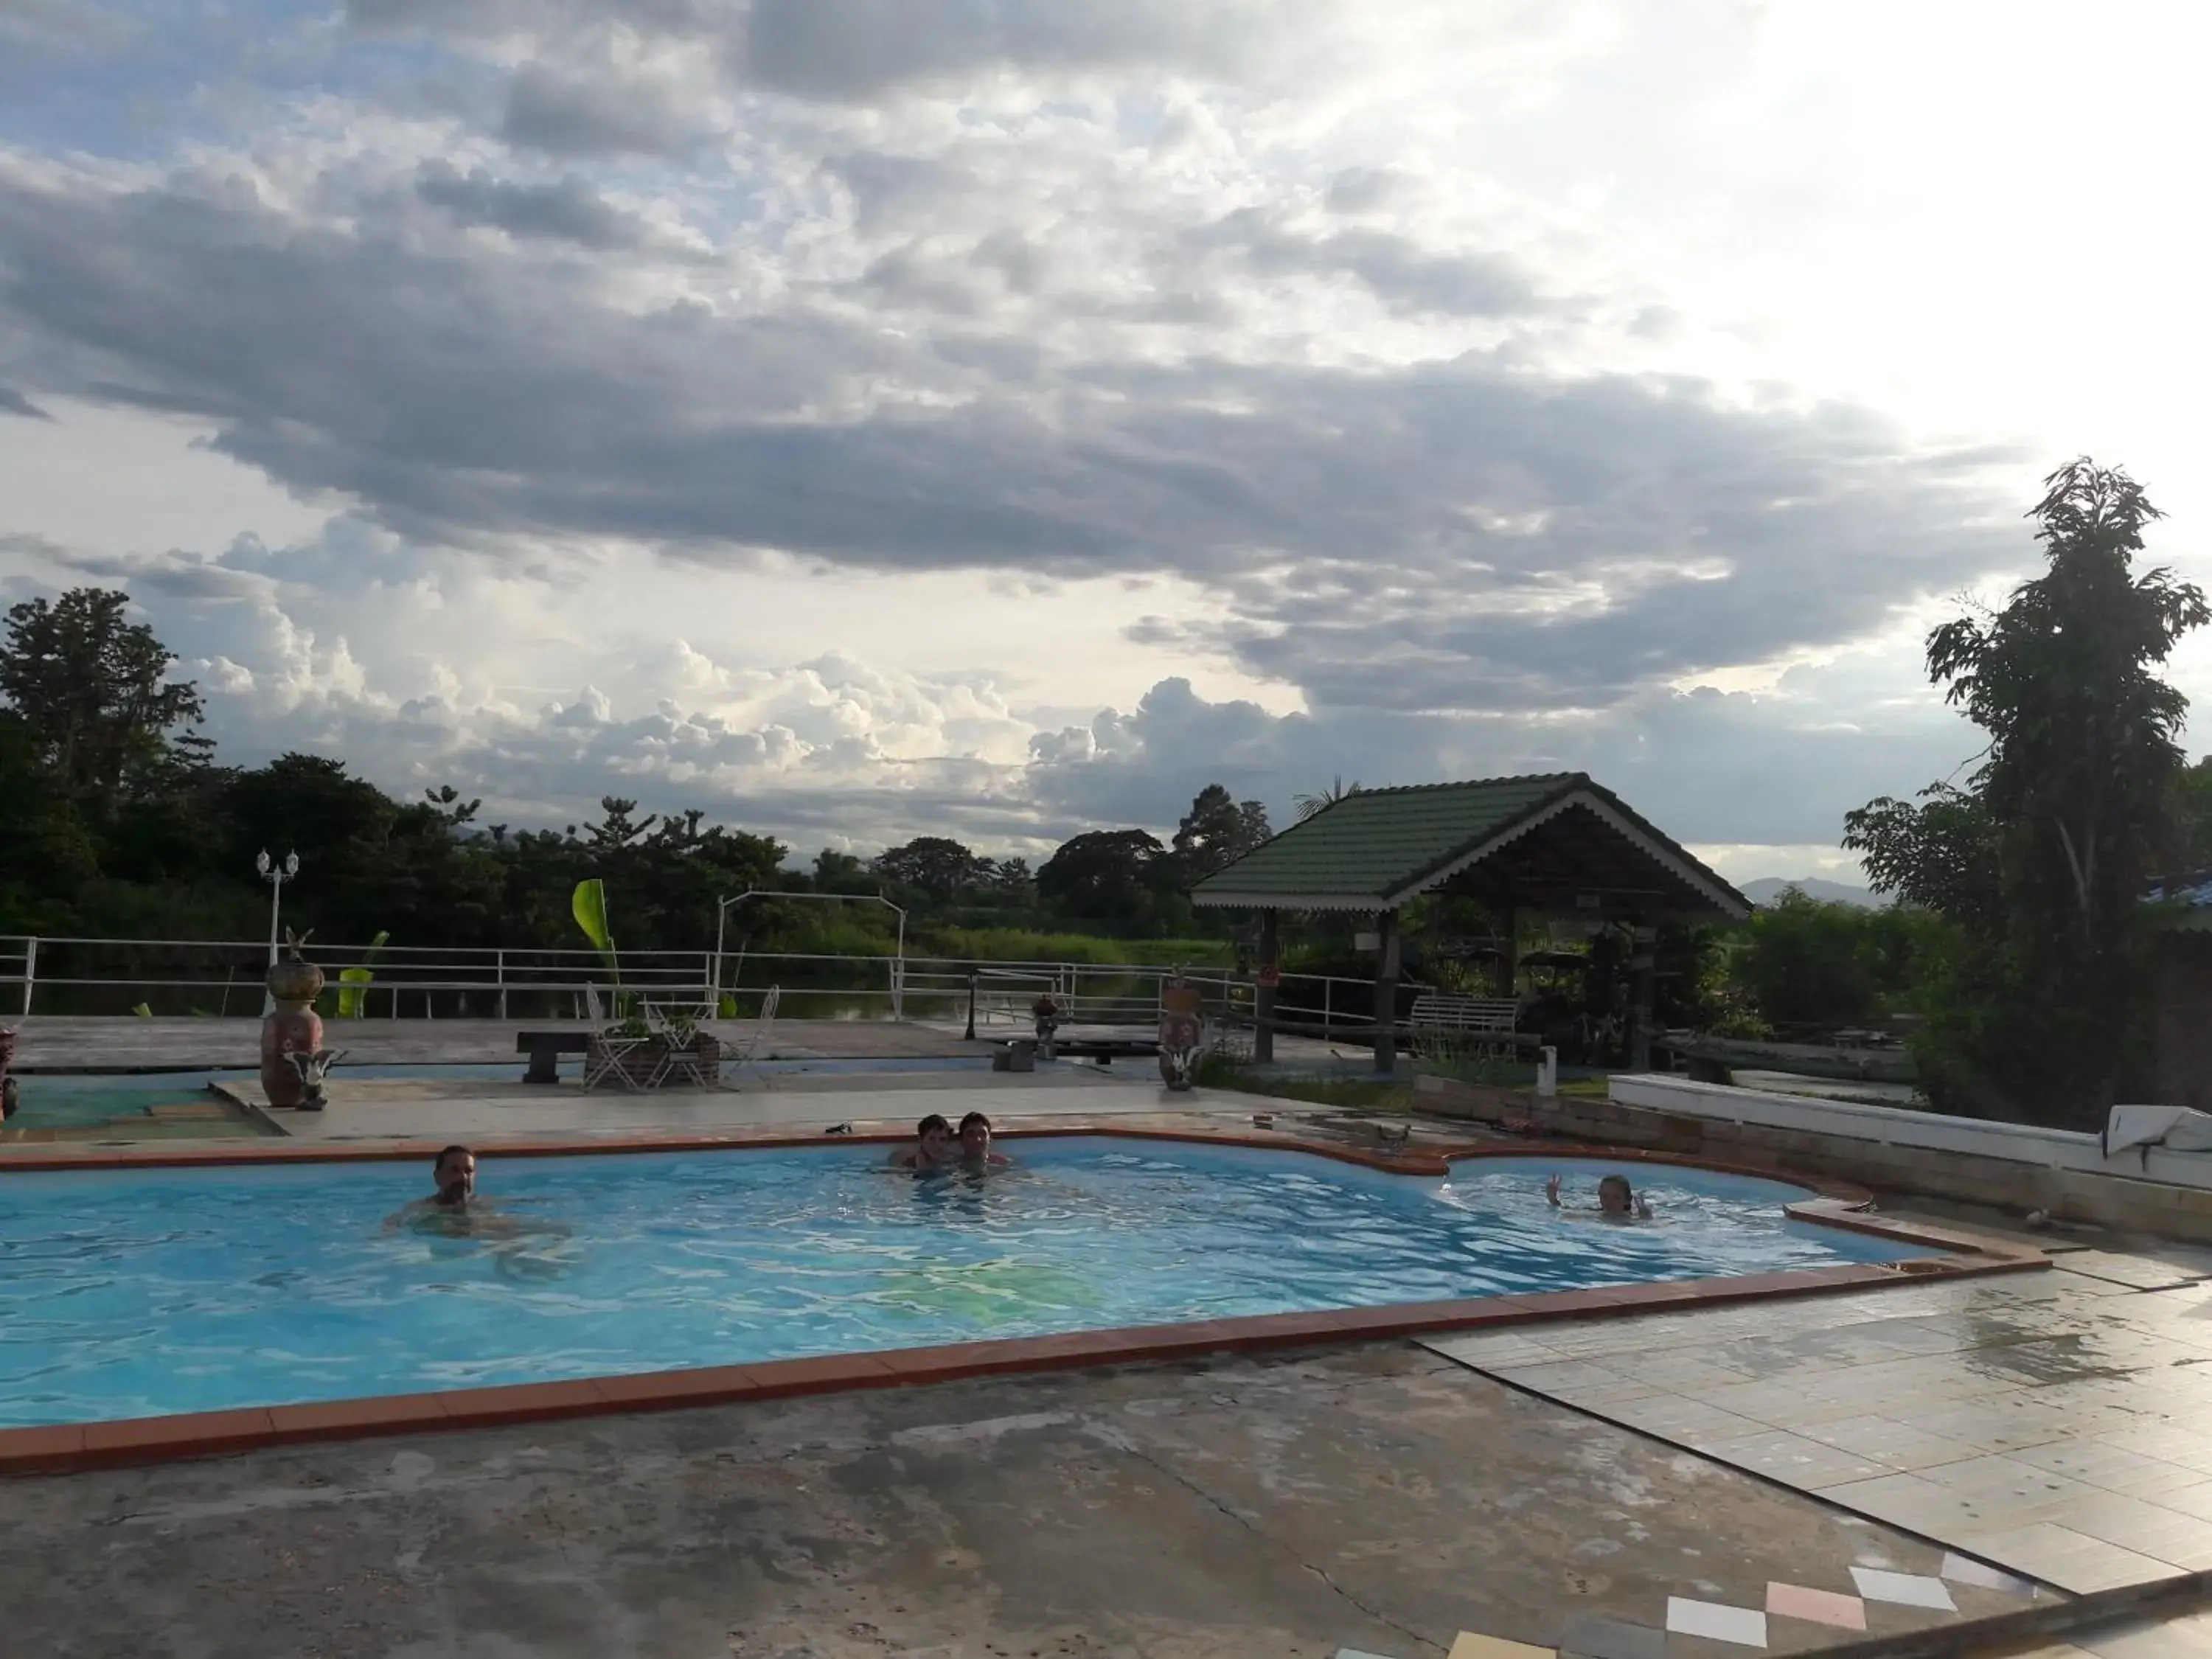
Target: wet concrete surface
1377,1497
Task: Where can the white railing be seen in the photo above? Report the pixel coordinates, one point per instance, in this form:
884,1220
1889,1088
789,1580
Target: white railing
1897,1126
224,976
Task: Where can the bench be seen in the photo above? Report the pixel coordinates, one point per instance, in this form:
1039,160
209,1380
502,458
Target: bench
1446,1026
544,1047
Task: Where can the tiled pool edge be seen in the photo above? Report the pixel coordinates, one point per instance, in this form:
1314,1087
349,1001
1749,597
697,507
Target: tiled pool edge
65,1447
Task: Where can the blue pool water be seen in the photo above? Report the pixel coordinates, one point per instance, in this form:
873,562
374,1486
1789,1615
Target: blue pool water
124,1295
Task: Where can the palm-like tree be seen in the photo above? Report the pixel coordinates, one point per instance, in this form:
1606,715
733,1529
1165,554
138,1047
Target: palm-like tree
1337,790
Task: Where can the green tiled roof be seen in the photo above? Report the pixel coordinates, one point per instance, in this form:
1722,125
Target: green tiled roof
1384,844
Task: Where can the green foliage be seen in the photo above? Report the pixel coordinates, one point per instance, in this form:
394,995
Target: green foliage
932,867
1808,962
2037,1007
1022,945
119,825
1216,831
93,690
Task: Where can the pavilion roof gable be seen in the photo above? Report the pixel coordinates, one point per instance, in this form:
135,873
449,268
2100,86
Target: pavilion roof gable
1377,848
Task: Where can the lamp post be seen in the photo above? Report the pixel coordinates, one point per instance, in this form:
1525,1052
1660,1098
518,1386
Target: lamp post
275,875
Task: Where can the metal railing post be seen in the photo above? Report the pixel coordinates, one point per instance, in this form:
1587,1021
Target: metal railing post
1327,1001
499,968
30,970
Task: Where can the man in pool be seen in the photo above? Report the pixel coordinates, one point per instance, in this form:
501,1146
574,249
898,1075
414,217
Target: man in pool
1616,1200
455,1174
932,1147
975,1151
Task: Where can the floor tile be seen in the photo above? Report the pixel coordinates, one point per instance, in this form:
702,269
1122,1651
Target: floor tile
1791,1458
1904,1589
1716,1621
1965,1570
1893,1444
2098,1463
2137,1524
2174,1638
1359,1653
1472,1646
1586,1638
1817,1607
2073,1561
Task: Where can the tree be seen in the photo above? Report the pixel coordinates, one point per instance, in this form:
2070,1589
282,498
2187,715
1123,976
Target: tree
1216,831
1337,790
1809,962
934,866
843,872
2074,797
92,691
1103,875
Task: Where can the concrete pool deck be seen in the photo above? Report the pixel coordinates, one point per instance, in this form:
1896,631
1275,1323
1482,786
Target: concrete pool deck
1376,1498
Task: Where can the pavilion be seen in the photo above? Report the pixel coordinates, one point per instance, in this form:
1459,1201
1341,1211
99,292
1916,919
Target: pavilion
1527,848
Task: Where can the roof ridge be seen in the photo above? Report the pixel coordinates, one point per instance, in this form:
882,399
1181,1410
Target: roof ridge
1471,783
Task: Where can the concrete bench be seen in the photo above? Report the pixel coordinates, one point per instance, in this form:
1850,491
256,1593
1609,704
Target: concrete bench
544,1048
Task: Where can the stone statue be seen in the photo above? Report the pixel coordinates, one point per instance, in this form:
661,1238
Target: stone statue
295,1028
313,1068
1182,1032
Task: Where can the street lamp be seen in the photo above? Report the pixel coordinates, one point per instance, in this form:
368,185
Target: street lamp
275,875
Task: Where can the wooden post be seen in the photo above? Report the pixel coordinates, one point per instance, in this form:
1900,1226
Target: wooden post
1263,1002
1641,963
1386,995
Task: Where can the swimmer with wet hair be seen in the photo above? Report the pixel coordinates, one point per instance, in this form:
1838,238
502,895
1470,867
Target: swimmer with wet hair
932,1147
976,1143
1616,1200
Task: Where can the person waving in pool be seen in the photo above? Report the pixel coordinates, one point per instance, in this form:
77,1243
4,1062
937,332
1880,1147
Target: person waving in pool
1616,1200
975,1151
932,1147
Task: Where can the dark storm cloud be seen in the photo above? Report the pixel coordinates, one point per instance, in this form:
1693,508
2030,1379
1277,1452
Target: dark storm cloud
860,49
569,210
13,402
1405,276
575,113
1457,535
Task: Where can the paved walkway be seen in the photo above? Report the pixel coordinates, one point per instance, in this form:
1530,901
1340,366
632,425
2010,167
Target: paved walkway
375,1108
67,1041
2052,1424
1373,1499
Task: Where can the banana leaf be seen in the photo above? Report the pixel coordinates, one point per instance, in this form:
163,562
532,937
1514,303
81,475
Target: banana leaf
589,907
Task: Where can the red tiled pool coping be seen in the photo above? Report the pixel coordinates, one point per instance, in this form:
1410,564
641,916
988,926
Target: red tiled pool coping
201,1434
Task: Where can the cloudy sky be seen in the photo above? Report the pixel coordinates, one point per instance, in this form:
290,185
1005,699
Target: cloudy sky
868,418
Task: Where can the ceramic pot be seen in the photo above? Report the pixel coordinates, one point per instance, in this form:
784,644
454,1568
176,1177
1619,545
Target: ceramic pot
295,981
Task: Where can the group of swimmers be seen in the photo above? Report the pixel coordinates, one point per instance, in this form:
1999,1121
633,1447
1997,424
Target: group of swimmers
938,1145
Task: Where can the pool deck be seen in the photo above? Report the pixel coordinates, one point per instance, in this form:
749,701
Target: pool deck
51,1042
1569,1463
1377,1498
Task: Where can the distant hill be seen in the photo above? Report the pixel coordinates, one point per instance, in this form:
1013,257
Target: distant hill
1767,889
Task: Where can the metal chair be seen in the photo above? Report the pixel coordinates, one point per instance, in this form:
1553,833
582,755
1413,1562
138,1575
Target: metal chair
738,1058
676,1026
619,1060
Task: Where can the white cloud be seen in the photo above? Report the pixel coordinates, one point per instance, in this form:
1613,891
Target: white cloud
829,408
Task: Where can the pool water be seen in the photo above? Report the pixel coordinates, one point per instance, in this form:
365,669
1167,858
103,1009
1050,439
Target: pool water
124,1295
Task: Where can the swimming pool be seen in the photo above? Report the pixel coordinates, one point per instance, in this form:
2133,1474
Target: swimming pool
150,1291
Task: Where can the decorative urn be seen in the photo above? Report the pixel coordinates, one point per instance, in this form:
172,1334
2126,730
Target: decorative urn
294,1027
